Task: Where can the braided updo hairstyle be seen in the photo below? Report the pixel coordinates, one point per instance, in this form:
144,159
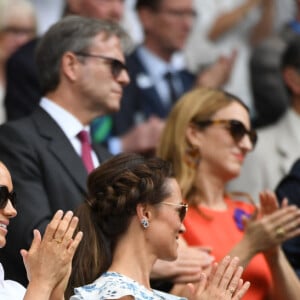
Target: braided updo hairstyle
114,190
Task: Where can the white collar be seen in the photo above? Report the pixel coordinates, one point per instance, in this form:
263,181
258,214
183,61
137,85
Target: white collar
69,124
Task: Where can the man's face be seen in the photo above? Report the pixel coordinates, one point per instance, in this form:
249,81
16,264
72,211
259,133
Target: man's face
100,87
111,10
170,25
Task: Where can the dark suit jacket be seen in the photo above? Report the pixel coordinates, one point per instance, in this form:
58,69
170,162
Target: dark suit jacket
47,175
290,187
142,101
23,89
269,90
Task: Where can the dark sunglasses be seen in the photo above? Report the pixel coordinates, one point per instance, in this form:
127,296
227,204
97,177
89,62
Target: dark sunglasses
116,65
5,195
182,209
236,128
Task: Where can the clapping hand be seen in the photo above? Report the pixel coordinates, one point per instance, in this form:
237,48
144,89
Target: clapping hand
48,261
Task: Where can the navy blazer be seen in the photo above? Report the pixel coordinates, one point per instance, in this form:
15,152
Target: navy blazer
142,101
47,175
290,187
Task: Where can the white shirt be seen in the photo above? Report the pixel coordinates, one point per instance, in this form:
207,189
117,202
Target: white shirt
69,124
156,69
9,289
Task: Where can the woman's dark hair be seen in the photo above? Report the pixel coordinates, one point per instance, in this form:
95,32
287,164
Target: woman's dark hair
114,190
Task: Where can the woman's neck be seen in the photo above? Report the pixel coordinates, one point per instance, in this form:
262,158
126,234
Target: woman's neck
129,260
209,192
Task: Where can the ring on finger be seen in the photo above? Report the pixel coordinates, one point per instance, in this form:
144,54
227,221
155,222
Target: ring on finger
231,290
58,241
280,232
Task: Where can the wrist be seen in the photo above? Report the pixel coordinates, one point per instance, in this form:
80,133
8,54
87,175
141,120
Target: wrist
273,255
248,243
38,290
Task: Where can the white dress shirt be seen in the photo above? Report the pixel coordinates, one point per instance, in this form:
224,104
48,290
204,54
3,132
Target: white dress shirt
69,124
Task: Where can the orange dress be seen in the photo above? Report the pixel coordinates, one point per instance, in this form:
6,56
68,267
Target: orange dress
221,232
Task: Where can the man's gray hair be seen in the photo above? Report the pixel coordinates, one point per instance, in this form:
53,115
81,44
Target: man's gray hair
74,34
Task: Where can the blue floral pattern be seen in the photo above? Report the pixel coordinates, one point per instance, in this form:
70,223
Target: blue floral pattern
112,285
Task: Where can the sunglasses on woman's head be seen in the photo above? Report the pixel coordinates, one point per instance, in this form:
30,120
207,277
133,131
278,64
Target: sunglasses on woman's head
5,195
236,128
182,209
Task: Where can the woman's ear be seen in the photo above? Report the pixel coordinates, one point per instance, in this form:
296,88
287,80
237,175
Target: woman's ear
143,211
144,214
193,136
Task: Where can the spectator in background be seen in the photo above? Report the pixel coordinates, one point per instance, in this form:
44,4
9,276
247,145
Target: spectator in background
266,77
17,26
278,144
158,74
227,28
206,137
23,89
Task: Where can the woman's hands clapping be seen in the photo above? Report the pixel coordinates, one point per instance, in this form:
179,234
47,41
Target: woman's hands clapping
273,225
223,283
48,261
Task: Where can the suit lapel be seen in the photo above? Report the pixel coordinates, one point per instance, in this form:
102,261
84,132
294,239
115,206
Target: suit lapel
60,147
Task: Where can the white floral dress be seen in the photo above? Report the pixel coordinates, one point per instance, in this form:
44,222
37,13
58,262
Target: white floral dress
112,285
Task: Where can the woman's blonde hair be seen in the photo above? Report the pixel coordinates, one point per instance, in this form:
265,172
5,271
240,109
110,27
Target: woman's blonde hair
200,104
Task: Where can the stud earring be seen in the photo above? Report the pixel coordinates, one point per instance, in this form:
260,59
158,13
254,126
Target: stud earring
145,223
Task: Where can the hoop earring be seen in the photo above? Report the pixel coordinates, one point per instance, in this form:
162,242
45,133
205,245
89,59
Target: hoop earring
145,223
192,156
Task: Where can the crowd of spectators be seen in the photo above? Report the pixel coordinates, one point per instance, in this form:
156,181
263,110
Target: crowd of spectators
211,86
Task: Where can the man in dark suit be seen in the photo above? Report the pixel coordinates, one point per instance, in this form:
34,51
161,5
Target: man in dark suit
23,90
289,187
82,75
158,74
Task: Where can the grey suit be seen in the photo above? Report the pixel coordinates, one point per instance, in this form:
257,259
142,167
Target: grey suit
277,149
47,175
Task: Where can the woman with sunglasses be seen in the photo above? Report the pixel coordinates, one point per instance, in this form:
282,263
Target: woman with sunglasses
48,261
133,216
206,138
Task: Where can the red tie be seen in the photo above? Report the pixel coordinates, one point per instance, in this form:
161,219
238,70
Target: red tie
86,150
